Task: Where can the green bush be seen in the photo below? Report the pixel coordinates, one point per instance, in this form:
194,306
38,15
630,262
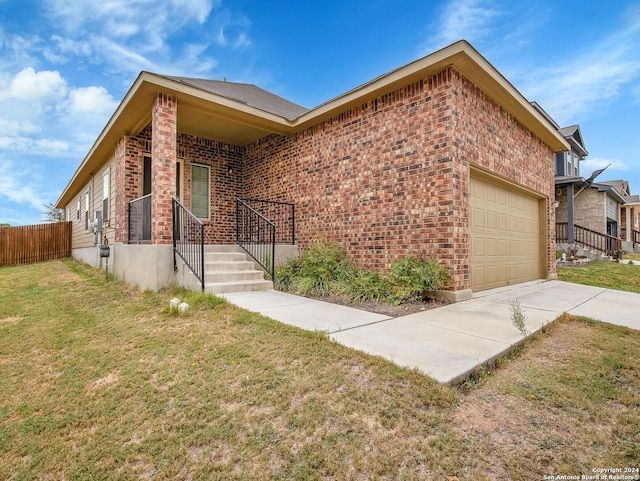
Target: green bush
364,284
324,270
316,271
286,275
414,276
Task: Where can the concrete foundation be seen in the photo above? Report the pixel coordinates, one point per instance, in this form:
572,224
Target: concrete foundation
148,266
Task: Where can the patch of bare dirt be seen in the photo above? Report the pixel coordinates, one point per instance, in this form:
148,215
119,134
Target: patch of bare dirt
523,433
10,320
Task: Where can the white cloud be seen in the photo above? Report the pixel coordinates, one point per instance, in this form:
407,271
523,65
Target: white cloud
41,115
150,21
41,147
461,19
589,165
14,127
16,187
61,50
91,99
127,36
597,75
30,85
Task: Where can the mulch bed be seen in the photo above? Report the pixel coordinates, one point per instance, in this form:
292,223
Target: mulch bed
386,308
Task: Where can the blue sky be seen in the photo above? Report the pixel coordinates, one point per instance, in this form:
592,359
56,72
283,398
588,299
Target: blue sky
66,64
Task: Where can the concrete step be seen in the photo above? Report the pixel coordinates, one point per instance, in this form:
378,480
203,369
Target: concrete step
229,269
224,256
227,276
222,248
237,286
241,265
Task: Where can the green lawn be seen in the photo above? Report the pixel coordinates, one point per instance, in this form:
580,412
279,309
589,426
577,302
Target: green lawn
99,381
623,277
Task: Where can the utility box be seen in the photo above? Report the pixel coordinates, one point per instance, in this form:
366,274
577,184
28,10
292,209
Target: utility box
97,227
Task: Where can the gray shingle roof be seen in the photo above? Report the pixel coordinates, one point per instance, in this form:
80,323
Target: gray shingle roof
247,94
567,131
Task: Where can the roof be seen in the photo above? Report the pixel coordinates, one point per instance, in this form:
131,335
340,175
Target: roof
568,179
573,135
242,113
610,190
544,113
247,94
621,186
582,183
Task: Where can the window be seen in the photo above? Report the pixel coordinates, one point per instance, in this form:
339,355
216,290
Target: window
105,196
78,208
86,210
146,175
200,199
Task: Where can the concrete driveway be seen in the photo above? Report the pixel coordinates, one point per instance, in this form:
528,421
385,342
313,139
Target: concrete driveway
448,342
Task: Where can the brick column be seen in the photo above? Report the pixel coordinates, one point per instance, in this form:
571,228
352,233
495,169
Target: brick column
127,180
163,166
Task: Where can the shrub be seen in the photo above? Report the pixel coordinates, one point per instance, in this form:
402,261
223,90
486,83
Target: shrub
324,269
316,271
414,276
287,274
364,284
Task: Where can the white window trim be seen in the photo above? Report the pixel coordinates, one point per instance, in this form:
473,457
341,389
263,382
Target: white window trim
208,217
87,199
105,196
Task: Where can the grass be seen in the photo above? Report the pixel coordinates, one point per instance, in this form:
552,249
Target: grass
100,381
623,277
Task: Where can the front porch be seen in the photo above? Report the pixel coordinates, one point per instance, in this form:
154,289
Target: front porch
181,212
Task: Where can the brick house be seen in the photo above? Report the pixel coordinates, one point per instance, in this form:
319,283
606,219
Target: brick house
442,157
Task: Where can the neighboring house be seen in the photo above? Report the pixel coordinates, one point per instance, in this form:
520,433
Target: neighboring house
588,213
442,157
568,162
629,215
596,214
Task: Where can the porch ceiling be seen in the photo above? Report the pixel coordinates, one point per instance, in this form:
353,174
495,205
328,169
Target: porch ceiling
202,114
194,121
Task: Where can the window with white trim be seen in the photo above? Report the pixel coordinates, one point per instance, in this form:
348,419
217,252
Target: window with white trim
86,210
78,209
105,196
200,191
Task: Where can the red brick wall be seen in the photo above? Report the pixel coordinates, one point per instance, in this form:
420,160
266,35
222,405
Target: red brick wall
375,179
488,136
225,162
128,178
391,177
163,170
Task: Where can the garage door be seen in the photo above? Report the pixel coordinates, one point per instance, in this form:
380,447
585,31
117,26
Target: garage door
505,235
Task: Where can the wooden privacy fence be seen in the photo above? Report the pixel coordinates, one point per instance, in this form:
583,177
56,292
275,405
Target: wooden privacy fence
34,243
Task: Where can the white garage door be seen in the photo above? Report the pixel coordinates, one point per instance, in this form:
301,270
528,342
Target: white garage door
505,235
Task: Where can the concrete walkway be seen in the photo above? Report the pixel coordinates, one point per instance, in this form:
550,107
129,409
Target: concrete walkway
448,342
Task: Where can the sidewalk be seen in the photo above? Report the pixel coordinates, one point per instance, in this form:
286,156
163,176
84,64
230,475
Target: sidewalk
448,342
